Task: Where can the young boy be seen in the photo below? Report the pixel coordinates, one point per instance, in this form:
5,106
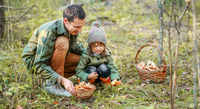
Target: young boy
96,63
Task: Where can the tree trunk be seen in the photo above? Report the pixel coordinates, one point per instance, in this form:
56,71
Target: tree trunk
175,69
161,30
178,30
195,54
170,57
2,20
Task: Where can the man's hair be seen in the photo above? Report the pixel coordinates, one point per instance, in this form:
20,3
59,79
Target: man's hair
74,11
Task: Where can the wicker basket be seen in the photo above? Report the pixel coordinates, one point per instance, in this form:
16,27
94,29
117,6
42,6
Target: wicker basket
157,76
85,93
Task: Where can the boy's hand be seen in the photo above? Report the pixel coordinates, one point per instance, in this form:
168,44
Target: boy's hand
93,75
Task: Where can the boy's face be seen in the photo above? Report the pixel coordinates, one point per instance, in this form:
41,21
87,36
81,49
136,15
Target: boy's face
97,47
75,26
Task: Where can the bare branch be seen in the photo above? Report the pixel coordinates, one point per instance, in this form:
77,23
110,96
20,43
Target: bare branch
186,7
166,12
23,14
172,12
176,24
7,7
149,7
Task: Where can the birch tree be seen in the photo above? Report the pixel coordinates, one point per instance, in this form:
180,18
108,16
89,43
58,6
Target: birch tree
195,54
161,30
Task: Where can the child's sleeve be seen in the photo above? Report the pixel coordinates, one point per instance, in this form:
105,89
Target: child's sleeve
114,71
80,69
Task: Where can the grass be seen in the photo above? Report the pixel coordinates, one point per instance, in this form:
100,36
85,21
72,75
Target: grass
125,36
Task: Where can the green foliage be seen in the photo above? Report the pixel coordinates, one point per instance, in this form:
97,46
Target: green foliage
177,2
29,14
128,25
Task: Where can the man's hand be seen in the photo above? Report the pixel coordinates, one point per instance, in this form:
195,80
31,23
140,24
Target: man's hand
69,86
93,75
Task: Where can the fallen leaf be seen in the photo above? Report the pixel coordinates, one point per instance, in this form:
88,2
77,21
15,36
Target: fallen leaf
120,88
31,101
188,88
123,97
7,93
191,105
102,106
151,107
142,85
55,102
19,107
114,102
0,87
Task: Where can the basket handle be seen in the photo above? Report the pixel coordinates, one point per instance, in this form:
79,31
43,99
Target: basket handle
149,45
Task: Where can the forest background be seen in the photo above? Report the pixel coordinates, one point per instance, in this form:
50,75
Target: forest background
129,24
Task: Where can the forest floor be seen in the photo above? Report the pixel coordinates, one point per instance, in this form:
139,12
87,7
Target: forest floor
128,25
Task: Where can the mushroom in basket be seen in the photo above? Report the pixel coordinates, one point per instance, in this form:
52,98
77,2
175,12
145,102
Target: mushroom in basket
84,90
150,66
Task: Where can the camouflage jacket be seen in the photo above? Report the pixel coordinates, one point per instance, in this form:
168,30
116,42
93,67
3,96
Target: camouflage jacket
91,60
38,52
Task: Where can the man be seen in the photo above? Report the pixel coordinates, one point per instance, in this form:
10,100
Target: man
53,52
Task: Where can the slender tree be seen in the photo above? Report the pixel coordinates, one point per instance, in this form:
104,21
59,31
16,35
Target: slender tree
195,53
2,19
177,21
170,57
10,30
177,27
161,30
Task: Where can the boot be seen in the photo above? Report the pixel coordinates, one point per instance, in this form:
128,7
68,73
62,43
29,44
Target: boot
56,89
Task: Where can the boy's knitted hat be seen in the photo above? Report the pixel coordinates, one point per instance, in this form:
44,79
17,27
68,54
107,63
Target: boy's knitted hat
97,33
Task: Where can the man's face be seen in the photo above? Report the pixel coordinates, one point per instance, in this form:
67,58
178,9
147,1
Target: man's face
75,26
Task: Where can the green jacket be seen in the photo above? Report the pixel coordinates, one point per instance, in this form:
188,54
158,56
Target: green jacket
91,60
38,52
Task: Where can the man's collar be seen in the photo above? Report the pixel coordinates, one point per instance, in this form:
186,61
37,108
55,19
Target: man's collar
61,28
